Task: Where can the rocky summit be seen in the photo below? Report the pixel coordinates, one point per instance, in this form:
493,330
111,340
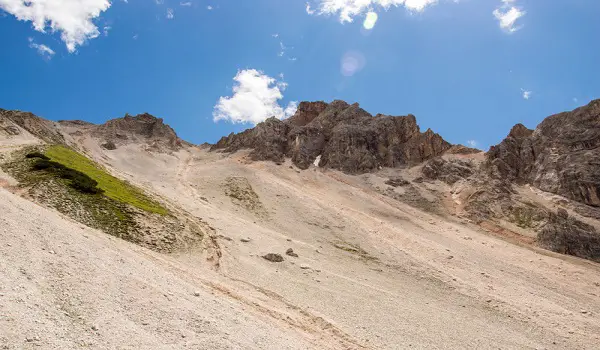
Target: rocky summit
143,128
561,156
341,136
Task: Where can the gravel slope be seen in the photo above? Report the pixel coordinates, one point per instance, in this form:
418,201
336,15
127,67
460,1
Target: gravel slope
372,272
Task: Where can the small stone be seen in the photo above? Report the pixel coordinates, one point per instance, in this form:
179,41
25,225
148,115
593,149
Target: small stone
450,257
488,301
94,328
196,294
584,311
290,252
245,240
304,267
272,257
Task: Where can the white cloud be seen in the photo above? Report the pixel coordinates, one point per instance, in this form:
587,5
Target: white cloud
73,19
526,94
348,9
472,143
159,2
188,3
170,14
255,98
283,49
507,15
105,30
42,49
135,37
209,7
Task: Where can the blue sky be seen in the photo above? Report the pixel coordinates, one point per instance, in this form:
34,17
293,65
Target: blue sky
462,67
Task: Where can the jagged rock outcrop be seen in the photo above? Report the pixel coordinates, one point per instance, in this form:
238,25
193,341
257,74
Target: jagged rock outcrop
448,171
346,137
566,235
561,156
306,113
44,129
143,127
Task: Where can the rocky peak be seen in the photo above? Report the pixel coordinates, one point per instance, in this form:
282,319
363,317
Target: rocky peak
561,156
345,136
39,127
142,127
307,112
520,131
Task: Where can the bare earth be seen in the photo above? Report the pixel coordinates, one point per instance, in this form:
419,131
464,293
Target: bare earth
372,272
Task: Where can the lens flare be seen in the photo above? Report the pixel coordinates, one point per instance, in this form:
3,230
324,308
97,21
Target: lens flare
370,21
352,62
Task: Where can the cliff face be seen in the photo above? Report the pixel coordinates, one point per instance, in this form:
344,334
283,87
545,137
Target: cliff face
561,156
345,137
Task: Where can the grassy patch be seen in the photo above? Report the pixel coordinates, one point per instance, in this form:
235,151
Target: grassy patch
114,188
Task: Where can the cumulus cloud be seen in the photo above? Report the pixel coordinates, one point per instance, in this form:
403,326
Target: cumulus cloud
255,98
507,15
526,94
187,3
170,14
472,143
348,9
72,18
41,49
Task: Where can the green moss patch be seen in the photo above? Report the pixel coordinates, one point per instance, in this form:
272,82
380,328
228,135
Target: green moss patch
113,187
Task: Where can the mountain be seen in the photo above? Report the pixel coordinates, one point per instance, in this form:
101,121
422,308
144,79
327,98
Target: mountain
561,156
342,136
333,229
142,128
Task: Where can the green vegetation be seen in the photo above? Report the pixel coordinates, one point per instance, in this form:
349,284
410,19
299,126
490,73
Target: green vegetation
113,188
526,216
79,180
60,178
36,154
